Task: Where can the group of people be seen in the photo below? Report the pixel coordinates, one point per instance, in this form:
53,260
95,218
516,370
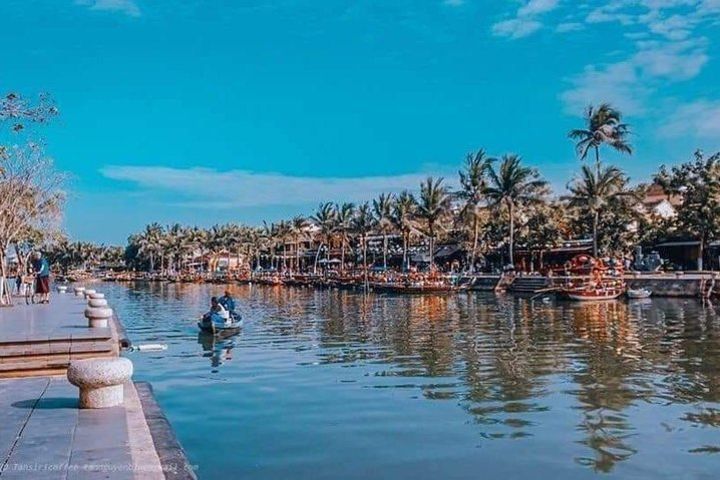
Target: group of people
36,274
222,310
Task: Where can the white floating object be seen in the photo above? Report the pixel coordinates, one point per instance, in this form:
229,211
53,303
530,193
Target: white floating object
149,347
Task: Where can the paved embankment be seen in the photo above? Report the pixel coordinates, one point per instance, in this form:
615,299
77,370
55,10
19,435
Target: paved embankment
43,433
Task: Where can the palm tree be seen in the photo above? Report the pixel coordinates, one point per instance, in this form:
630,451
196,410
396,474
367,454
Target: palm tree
513,185
473,181
362,223
434,205
299,231
324,219
592,191
382,208
343,215
603,126
149,242
403,216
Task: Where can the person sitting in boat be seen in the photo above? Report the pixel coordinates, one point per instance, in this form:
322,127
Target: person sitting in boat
218,315
228,302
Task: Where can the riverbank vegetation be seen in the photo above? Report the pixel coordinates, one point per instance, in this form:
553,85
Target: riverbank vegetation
499,211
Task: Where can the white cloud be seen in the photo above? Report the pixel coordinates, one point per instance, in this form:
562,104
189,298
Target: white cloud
536,7
569,27
128,7
615,83
700,119
208,188
667,46
525,21
516,28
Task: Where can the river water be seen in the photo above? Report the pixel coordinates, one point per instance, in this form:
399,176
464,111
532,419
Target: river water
341,385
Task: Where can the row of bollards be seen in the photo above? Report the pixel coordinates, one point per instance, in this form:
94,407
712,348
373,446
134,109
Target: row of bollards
100,380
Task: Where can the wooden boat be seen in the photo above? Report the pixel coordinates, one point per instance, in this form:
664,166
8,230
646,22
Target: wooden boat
593,294
638,293
207,326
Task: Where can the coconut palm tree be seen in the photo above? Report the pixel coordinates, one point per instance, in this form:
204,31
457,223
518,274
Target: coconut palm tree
403,216
324,219
299,232
473,182
603,127
433,207
512,185
382,208
592,191
362,224
343,223
149,243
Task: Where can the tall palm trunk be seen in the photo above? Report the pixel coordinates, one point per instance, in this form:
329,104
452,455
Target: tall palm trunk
511,246
385,248
431,231
596,221
364,253
342,255
317,258
406,241
476,232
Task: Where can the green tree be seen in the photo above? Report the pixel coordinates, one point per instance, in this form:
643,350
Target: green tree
698,182
403,216
433,207
512,185
595,191
603,126
382,208
473,182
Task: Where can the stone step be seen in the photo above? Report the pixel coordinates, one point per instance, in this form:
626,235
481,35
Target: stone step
528,284
50,358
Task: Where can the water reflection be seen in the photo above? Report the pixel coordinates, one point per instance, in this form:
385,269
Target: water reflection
218,350
609,378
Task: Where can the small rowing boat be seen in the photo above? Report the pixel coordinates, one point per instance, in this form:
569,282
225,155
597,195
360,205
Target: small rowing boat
229,329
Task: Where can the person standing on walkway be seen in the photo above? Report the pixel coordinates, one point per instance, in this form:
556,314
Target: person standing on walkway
42,281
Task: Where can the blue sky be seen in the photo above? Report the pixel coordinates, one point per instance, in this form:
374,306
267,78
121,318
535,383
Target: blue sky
213,111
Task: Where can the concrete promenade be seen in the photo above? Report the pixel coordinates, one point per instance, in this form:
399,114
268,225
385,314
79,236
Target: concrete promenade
43,433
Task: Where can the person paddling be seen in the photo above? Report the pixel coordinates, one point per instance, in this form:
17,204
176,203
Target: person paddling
228,302
218,315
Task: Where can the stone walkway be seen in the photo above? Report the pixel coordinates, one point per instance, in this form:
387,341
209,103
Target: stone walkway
43,434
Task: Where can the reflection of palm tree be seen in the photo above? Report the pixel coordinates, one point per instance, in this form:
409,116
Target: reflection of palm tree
611,355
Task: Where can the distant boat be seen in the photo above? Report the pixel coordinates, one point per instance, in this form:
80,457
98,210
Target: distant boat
638,293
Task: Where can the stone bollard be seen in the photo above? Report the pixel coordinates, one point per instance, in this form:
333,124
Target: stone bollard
79,291
100,380
89,292
97,303
61,288
98,316
97,295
